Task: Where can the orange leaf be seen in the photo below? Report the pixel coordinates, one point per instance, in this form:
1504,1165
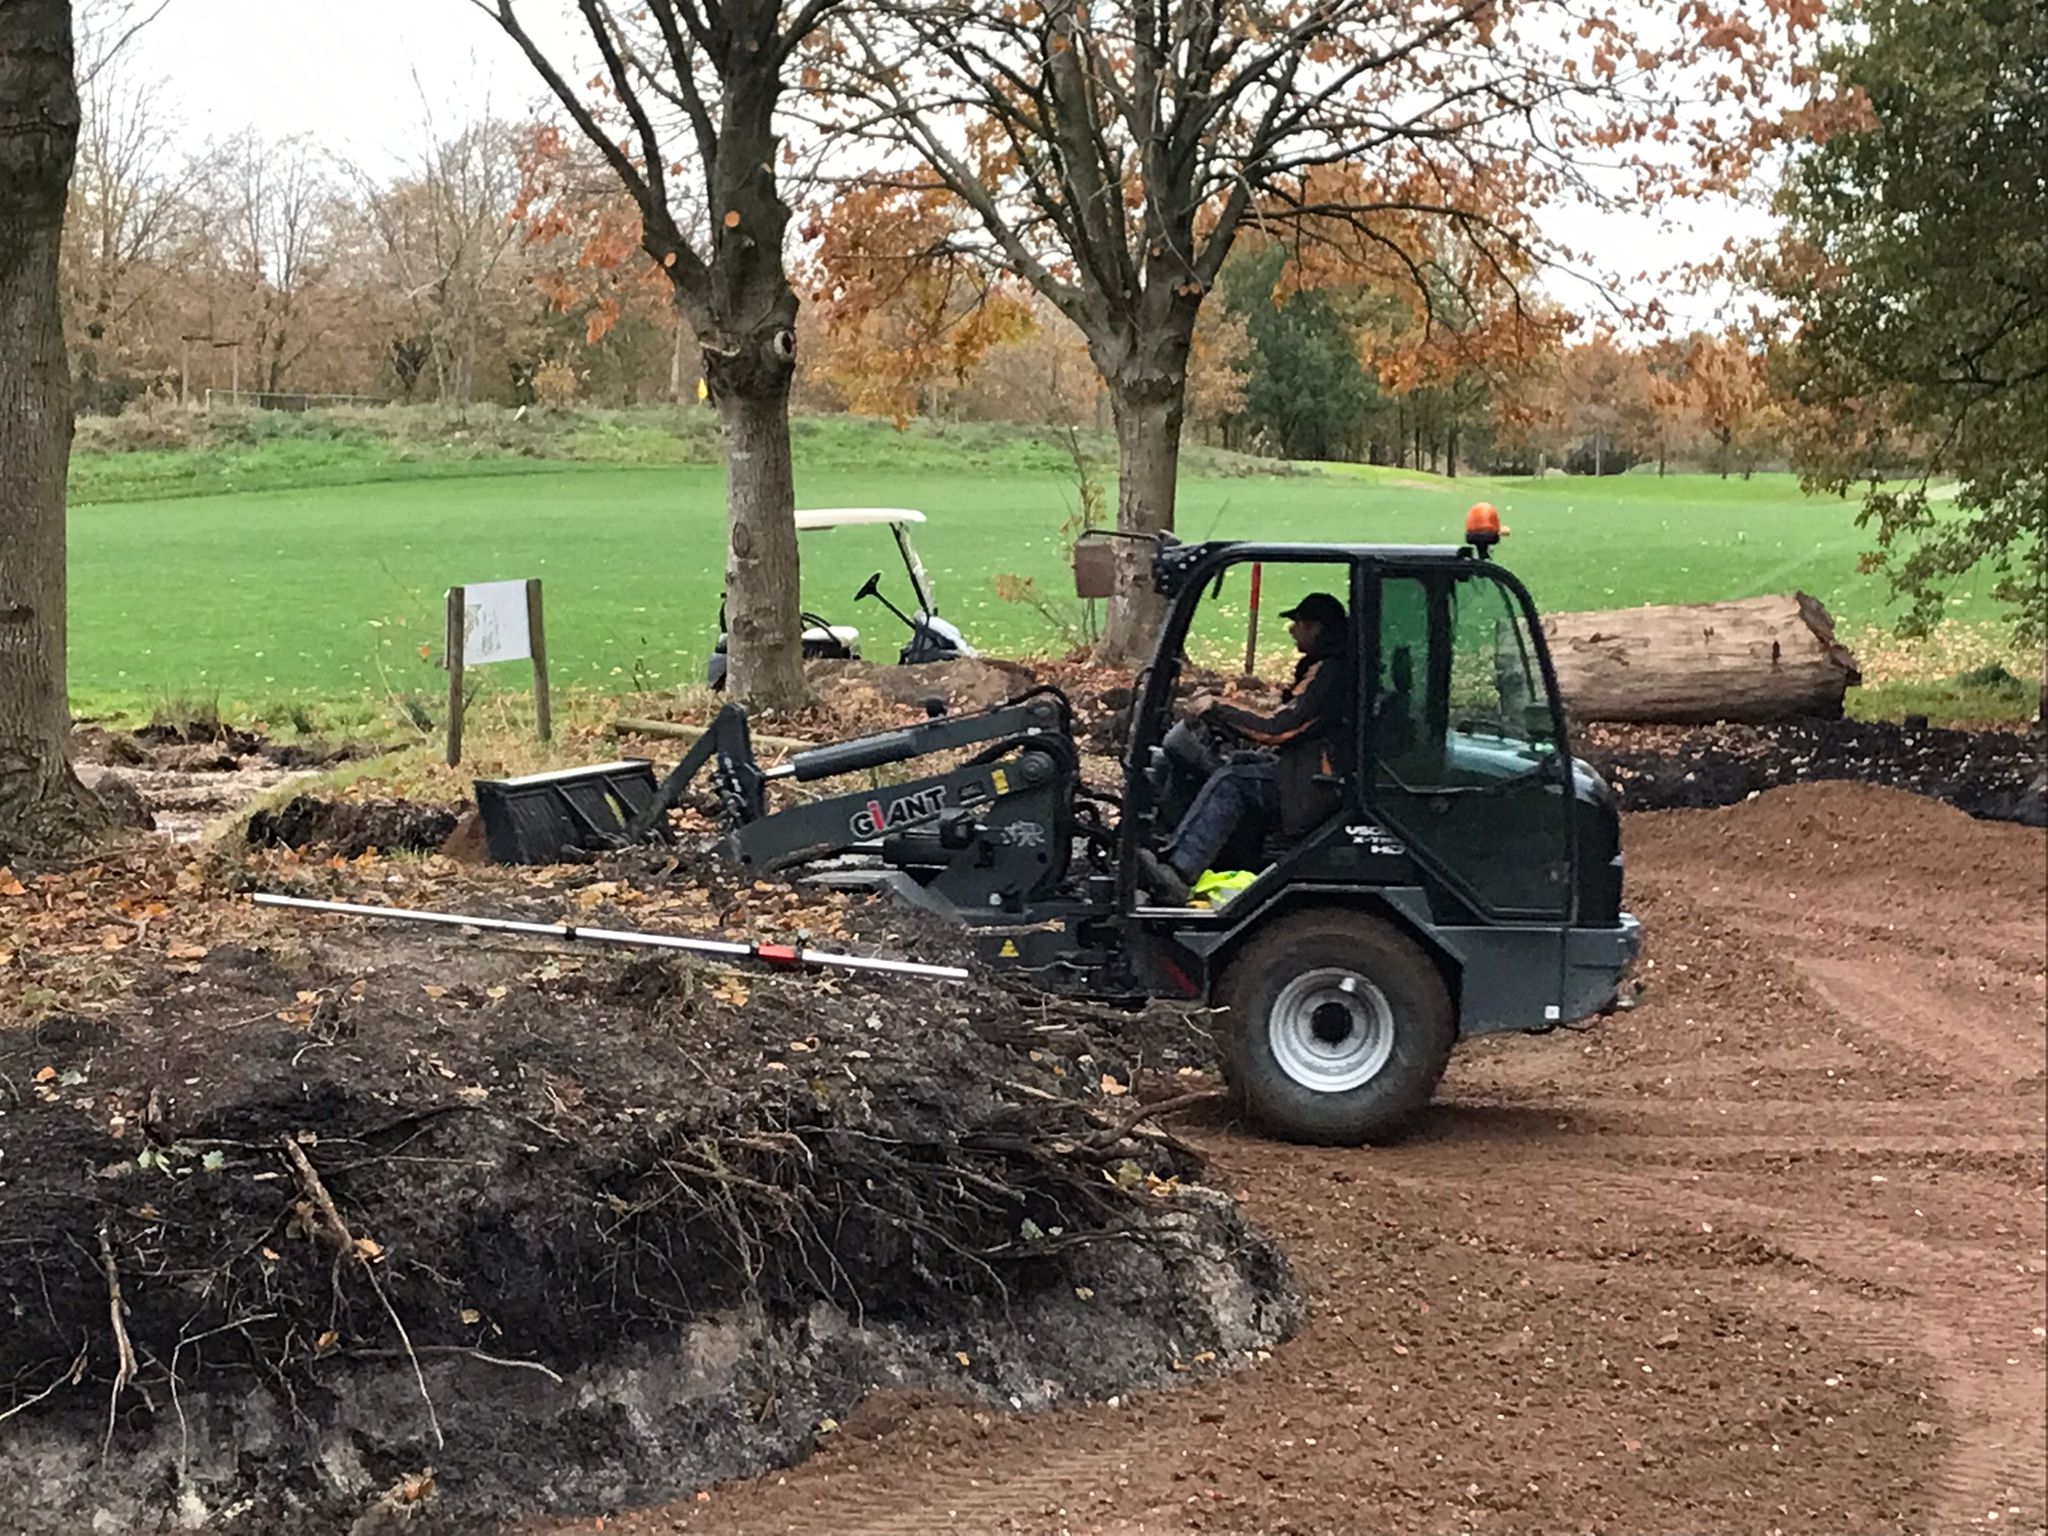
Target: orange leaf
9,886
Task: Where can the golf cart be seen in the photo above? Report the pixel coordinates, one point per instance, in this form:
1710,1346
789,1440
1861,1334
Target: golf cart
931,637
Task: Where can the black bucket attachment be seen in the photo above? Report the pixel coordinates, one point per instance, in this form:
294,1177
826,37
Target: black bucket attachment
533,819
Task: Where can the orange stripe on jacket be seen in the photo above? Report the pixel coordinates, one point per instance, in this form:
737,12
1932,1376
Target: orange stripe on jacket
1281,738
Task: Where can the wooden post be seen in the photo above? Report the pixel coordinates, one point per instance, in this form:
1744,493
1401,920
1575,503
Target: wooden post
454,643
536,640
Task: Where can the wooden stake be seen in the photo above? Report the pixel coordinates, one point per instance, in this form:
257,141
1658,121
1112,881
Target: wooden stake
456,609
536,640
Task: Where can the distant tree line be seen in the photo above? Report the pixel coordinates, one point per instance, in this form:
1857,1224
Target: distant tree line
499,264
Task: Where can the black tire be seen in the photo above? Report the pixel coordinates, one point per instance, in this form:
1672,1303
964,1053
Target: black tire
1378,1041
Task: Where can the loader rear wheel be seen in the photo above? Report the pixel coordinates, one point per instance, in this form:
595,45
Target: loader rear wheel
1337,1028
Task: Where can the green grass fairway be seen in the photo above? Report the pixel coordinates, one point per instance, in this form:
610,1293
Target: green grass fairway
332,592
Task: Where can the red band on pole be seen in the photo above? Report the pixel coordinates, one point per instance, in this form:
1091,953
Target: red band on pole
1251,628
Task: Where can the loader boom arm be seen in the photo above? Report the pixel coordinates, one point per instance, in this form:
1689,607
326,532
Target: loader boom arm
727,745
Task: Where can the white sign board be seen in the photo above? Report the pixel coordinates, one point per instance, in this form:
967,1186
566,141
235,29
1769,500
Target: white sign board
494,623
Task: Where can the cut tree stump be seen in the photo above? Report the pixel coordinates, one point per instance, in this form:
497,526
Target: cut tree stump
1754,661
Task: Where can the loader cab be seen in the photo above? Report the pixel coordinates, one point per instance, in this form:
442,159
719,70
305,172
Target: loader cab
1459,811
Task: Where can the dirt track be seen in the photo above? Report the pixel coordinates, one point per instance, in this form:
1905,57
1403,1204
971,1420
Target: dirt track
1765,1255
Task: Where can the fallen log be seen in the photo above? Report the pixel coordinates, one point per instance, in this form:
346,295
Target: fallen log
1754,661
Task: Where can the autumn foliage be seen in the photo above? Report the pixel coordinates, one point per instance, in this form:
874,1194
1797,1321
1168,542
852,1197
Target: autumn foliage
898,309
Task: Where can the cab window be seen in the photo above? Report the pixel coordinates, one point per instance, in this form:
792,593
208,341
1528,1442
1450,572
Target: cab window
1458,698
1496,688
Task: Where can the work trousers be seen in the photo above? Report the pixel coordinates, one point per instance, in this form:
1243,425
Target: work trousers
1247,785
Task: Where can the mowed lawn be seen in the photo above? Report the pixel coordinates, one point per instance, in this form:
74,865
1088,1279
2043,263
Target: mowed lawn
336,591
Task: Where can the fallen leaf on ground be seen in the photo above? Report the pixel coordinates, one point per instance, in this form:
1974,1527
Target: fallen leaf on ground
1112,1087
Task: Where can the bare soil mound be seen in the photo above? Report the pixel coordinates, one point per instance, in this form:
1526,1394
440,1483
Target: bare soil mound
570,1229
1835,833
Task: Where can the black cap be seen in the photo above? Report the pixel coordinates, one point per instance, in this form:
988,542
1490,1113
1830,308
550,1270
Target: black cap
1317,608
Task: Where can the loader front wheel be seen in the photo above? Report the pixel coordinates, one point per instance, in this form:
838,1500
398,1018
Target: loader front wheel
1337,1028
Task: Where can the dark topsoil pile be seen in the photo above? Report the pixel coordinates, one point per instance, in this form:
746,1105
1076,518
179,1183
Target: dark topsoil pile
628,1224
1995,775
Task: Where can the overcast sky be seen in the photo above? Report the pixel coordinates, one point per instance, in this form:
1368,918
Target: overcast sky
345,75
342,73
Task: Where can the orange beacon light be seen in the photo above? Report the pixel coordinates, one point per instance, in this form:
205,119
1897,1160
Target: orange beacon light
1482,527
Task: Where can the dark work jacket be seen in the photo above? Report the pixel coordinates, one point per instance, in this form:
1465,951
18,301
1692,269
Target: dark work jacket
1309,734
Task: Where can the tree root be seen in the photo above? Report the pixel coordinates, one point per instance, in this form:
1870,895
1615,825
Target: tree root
348,1246
124,1352
70,1378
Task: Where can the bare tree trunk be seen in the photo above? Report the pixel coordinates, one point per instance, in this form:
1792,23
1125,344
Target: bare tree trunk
44,810
1148,423
764,649
458,346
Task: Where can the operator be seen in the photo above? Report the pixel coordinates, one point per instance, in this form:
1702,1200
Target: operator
1301,742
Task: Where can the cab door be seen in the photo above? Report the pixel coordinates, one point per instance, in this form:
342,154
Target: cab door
1464,739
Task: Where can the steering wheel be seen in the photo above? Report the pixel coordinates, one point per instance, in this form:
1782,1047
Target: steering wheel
1219,738
869,587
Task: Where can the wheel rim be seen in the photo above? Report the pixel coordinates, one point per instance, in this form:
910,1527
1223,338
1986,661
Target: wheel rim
1331,1030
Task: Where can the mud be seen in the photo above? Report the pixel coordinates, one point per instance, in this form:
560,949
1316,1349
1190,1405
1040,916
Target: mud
178,779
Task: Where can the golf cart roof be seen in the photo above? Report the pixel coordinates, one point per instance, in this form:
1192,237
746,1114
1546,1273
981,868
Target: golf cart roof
808,518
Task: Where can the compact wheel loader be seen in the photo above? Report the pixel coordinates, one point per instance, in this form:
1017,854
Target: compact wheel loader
1466,878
